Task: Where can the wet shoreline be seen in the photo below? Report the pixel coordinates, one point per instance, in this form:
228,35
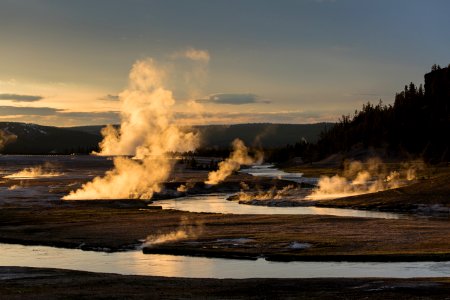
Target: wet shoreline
45,283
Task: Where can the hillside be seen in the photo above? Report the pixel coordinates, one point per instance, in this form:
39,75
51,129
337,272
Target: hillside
265,134
27,138
24,138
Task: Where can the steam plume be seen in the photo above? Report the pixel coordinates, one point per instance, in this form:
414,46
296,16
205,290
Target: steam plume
238,157
6,138
271,194
147,131
362,178
33,172
185,231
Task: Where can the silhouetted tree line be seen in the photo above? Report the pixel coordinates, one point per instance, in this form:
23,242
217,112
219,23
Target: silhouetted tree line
306,151
417,123
190,162
78,150
213,151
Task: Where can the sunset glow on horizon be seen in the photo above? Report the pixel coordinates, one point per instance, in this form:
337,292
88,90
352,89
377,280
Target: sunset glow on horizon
64,63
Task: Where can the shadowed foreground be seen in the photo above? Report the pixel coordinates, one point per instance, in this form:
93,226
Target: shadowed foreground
35,283
97,225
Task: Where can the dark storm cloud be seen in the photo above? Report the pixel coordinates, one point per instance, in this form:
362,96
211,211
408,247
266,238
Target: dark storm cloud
20,98
235,99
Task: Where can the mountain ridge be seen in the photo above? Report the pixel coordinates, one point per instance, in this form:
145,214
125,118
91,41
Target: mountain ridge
39,139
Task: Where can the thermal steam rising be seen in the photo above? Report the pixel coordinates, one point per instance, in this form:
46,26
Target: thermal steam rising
186,230
32,173
362,178
6,138
238,157
147,131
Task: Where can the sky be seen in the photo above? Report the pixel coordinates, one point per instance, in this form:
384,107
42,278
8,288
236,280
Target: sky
64,62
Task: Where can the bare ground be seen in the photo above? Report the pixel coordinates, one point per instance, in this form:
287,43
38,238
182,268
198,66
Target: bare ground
36,283
123,225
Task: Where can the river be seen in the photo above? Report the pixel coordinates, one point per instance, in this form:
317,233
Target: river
137,263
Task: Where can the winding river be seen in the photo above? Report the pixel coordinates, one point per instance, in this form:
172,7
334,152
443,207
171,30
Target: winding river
137,263
218,203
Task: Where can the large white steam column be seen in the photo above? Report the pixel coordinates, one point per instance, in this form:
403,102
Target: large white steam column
148,132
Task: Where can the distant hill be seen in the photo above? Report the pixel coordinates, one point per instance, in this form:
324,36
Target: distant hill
267,135
37,139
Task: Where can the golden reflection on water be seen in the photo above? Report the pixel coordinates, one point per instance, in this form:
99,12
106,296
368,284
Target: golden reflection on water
170,266
217,203
137,263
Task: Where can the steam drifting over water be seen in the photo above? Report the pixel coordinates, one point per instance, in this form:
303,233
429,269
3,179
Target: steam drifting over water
32,173
147,132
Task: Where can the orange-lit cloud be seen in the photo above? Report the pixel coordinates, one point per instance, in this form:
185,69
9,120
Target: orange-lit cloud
20,98
233,98
199,55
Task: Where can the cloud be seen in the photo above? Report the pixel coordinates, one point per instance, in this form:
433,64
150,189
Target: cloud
235,99
57,117
109,97
284,117
86,115
193,54
27,111
20,98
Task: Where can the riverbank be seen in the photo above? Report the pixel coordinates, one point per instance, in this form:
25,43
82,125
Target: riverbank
28,217
42,283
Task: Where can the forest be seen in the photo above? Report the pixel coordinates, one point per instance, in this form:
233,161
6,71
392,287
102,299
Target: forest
416,125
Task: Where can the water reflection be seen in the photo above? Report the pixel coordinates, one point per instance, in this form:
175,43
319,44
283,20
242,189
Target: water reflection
272,172
137,263
217,203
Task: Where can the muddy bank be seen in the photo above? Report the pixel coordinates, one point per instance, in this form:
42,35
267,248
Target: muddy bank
38,283
111,228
